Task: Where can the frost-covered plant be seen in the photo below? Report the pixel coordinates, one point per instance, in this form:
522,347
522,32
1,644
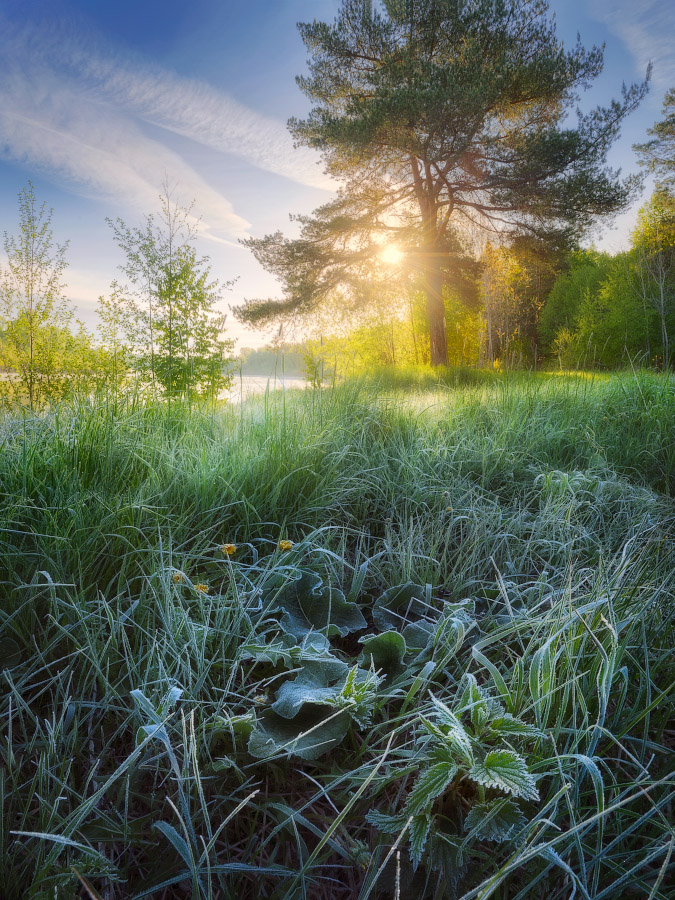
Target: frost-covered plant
471,779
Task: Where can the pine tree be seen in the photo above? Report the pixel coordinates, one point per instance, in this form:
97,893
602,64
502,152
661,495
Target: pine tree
658,154
439,116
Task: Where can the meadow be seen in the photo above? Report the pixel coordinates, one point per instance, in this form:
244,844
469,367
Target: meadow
408,636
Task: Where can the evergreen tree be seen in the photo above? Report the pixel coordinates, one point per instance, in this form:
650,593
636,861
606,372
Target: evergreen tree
438,116
658,154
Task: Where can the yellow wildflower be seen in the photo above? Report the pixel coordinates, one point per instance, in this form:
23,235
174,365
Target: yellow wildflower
229,549
177,577
202,588
285,545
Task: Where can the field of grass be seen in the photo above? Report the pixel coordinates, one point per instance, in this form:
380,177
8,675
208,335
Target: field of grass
457,681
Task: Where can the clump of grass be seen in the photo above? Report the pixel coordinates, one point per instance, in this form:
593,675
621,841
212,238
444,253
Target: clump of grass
523,525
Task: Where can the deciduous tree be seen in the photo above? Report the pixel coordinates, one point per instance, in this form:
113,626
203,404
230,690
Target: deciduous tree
34,315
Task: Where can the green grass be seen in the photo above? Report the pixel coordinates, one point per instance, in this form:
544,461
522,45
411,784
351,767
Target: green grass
533,516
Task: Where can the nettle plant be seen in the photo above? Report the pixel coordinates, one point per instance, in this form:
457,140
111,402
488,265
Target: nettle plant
471,779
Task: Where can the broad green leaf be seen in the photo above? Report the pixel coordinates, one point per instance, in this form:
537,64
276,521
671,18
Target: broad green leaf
430,784
384,652
307,604
273,653
507,771
309,735
495,820
401,605
310,686
419,635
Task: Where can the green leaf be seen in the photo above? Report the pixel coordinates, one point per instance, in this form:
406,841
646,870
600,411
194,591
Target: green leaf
495,820
507,771
480,705
177,840
311,686
386,822
419,635
308,735
430,784
419,833
270,653
401,605
454,732
508,724
307,604
384,652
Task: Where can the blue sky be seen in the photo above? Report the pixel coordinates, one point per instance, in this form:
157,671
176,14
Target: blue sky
99,99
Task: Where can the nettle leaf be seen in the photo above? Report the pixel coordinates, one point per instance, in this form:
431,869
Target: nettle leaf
495,820
507,771
419,834
307,604
445,854
508,724
358,695
480,705
429,785
384,652
385,822
454,733
400,605
308,735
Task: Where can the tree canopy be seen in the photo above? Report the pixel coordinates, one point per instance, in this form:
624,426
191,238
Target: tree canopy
438,117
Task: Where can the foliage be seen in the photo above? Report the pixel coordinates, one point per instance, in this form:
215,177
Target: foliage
658,153
579,284
436,116
654,252
169,321
39,354
612,310
467,570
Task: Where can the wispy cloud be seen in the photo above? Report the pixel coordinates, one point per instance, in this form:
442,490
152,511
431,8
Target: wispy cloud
646,27
198,111
84,114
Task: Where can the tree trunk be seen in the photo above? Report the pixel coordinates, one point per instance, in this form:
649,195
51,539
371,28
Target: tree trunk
438,341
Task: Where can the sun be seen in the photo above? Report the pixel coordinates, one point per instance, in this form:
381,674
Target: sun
391,255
